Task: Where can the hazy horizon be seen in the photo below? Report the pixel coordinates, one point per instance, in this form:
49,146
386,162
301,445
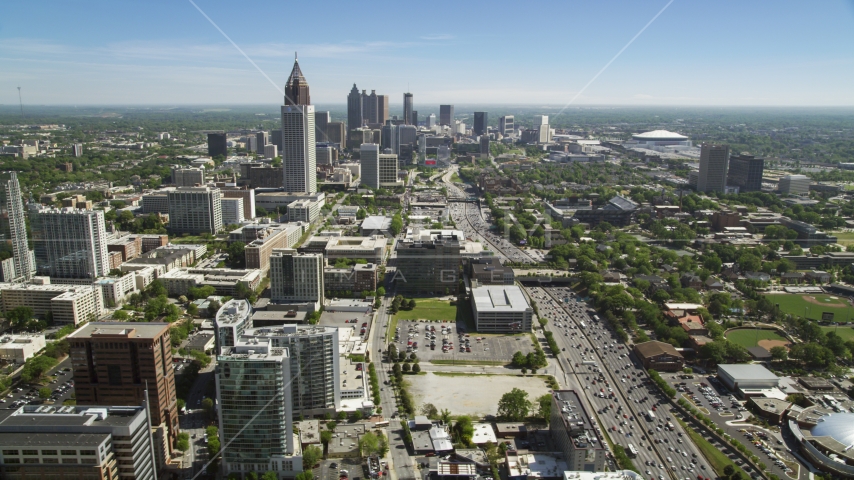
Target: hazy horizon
617,53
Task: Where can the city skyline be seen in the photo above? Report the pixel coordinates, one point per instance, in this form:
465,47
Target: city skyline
796,55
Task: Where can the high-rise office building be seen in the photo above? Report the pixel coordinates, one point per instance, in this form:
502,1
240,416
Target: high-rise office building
296,277
314,363
794,185
431,120
414,118
13,227
261,140
255,410
480,123
354,109
251,143
506,125
484,144
370,108
745,172
69,242
321,124
378,169
195,210
298,155
714,160
217,144
446,115
407,108
365,106
389,138
115,363
187,176
80,442
276,138
382,109
407,135
541,125
335,133
77,149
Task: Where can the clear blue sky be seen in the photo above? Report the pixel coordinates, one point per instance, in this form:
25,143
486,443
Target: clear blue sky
698,52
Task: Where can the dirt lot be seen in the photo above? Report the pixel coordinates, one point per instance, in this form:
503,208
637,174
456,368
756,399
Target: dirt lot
491,348
473,394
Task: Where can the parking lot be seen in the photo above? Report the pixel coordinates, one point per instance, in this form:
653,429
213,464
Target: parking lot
60,383
457,344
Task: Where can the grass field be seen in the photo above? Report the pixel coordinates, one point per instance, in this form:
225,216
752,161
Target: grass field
751,337
846,332
717,459
813,305
426,309
844,238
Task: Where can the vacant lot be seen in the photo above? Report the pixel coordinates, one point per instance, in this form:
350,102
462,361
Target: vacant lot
473,394
427,309
813,305
752,337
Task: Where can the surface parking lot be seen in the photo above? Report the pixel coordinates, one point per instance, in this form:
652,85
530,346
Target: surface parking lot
493,348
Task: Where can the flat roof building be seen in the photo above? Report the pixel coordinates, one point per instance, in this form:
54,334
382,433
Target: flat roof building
226,281
115,363
747,376
501,309
98,442
19,348
575,433
659,356
68,304
428,267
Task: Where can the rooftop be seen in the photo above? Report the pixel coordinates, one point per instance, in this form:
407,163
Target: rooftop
499,298
747,371
659,135
121,329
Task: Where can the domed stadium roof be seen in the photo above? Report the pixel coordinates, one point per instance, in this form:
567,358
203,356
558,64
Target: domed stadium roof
839,426
659,135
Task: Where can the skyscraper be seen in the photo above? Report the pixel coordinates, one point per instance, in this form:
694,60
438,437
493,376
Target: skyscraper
255,409
298,155
446,115
407,108
195,210
261,141
745,172
713,168
365,107
480,123
13,226
382,109
431,120
70,243
115,363
414,118
378,169
321,123
370,108
506,125
354,109
217,144
541,125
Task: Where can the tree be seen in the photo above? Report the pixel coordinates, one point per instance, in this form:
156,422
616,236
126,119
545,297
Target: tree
729,470
181,404
35,367
251,476
325,437
463,430
357,415
369,444
270,475
429,410
406,367
416,368
305,475
342,415
44,393
183,443
779,353
19,317
380,291
310,456
121,315
544,407
156,289
207,406
514,405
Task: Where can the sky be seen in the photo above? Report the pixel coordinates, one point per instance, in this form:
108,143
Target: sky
696,52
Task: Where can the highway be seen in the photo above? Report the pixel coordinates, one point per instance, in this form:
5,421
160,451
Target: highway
628,392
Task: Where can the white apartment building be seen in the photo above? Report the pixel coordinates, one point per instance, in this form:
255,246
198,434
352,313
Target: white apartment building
69,242
232,211
67,303
296,277
195,210
303,211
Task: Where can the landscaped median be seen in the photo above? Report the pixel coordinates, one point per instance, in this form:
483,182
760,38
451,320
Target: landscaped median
716,458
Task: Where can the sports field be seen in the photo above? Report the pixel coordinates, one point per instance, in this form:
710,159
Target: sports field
756,337
813,305
846,332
